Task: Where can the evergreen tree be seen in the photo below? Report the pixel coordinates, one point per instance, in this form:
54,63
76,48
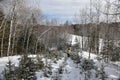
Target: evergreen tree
8,73
40,62
26,69
87,66
76,58
111,51
101,73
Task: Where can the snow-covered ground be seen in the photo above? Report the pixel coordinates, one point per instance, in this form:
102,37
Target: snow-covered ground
112,69
4,61
70,69
79,38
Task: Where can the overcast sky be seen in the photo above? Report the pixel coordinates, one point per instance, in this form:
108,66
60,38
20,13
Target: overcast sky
54,9
61,9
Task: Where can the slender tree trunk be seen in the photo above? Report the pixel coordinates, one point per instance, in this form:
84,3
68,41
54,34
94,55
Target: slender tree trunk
91,20
40,38
11,30
3,22
82,42
89,47
13,44
97,41
28,39
24,40
3,35
30,32
10,36
36,45
98,7
107,31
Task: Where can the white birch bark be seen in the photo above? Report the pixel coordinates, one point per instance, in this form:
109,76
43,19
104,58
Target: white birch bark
13,44
40,38
11,30
3,35
2,22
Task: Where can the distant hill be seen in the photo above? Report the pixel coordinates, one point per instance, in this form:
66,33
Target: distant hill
112,30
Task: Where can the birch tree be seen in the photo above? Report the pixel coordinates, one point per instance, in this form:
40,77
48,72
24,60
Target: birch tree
14,37
97,6
83,17
11,27
3,35
89,30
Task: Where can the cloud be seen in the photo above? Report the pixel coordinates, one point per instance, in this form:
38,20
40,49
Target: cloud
62,9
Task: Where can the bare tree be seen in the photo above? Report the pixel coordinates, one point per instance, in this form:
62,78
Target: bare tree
11,27
83,17
3,35
89,30
97,6
14,36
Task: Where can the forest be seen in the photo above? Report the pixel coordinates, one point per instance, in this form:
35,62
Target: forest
35,47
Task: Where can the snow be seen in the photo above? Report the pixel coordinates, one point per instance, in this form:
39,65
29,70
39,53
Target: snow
4,60
73,38
70,69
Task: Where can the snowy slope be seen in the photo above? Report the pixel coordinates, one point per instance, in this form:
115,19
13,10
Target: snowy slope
4,60
70,70
73,37
113,71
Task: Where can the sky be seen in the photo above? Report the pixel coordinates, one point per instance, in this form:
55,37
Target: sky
64,10
61,9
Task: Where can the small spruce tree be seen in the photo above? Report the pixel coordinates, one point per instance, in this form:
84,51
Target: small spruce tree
8,73
26,69
87,66
102,73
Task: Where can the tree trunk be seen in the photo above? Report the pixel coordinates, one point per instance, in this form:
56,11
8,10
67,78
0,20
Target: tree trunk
2,42
28,39
13,44
11,29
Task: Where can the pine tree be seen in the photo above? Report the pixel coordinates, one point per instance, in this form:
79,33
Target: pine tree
101,73
40,62
87,65
76,58
8,73
111,51
26,69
